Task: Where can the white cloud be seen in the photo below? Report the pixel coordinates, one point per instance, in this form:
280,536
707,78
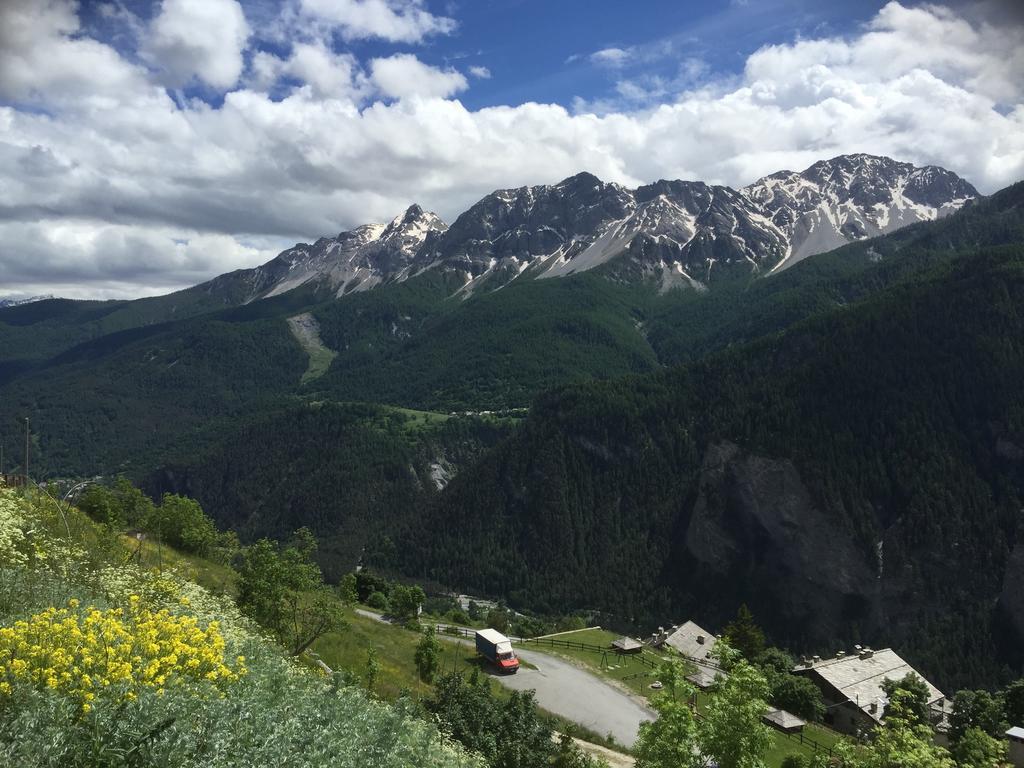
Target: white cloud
198,38
480,72
101,181
611,57
398,21
327,74
403,75
84,259
42,62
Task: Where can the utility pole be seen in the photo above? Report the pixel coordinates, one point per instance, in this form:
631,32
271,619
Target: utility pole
26,450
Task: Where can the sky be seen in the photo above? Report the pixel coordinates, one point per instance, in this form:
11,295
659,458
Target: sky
148,145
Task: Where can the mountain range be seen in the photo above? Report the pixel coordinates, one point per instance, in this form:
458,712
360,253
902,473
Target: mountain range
675,232
649,403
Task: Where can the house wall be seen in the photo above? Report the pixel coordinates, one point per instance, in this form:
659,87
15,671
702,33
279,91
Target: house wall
1017,752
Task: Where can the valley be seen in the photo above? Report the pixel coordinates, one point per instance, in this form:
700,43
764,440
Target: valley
685,449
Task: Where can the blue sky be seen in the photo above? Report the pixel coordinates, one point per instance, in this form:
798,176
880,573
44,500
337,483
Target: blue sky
543,51
147,145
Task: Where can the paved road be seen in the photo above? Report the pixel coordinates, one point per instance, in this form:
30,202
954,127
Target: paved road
578,695
573,693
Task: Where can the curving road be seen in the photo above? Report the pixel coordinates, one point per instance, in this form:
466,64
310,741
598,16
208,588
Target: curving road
573,693
579,696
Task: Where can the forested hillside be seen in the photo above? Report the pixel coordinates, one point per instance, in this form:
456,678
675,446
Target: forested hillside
344,471
863,399
856,478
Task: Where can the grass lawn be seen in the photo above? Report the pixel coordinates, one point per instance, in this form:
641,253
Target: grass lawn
395,649
624,669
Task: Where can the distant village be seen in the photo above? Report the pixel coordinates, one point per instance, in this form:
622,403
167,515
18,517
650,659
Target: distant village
851,684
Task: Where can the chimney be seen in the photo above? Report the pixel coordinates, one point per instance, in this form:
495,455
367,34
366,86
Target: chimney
873,707
700,639
815,659
840,654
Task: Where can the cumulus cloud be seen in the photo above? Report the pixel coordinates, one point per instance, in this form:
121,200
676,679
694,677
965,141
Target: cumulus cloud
398,21
327,74
43,62
481,72
112,184
403,75
201,39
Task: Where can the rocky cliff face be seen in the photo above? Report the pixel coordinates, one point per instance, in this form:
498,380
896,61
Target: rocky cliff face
755,526
674,233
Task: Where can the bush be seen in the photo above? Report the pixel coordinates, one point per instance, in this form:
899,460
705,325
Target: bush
379,601
204,714
458,616
181,522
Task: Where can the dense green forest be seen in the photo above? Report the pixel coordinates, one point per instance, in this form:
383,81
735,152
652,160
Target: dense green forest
862,403
342,470
887,434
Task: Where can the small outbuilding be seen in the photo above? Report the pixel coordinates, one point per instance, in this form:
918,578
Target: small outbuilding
1016,737
784,721
627,645
704,677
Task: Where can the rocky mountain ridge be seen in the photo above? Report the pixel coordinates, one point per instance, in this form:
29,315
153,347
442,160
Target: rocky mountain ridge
676,233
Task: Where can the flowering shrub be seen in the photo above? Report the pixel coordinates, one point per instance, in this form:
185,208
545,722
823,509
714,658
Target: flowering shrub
122,675
111,651
14,546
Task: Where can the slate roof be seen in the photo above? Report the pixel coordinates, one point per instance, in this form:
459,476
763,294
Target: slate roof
860,679
783,720
686,640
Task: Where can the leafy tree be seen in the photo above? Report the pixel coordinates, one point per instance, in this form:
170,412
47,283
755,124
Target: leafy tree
672,675
135,506
379,601
903,742
568,755
368,582
524,736
509,734
226,548
788,691
284,591
732,732
474,611
102,505
498,618
976,709
465,709
181,522
405,602
914,702
372,669
977,749
1013,703
797,695
743,634
428,655
774,659
671,741
348,592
